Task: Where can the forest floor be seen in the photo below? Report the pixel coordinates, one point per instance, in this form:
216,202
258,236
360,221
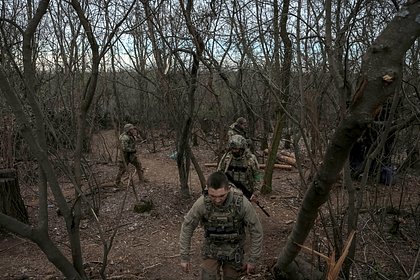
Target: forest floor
146,244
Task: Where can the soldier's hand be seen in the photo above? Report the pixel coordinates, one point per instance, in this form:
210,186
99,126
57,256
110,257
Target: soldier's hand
186,266
250,268
254,198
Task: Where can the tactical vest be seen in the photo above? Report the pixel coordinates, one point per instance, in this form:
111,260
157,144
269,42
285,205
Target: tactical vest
224,230
128,143
239,170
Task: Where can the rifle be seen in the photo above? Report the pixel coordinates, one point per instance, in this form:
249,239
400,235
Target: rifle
245,191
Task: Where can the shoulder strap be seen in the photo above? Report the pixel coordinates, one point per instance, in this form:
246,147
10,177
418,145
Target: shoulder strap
226,160
238,201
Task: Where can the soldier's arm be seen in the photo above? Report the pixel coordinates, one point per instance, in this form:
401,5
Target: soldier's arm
222,164
255,230
124,143
230,133
191,221
256,174
127,144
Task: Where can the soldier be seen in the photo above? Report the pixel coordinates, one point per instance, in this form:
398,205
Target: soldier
241,166
128,154
224,215
239,127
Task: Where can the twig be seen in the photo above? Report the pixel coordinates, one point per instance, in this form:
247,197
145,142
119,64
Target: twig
334,266
391,252
11,247
118,226
126,276
92,262
378,273
415,263
152,266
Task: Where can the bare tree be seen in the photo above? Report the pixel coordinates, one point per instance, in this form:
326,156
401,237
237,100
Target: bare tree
282,87
381,73
36,138
187,60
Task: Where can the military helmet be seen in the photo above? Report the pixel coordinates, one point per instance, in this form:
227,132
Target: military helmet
241,121
237,142
128,126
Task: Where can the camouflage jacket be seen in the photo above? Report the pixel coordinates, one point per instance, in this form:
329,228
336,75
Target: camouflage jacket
245,217
244,169
128,143
235,129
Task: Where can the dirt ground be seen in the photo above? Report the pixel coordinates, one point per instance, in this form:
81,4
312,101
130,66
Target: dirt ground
146,244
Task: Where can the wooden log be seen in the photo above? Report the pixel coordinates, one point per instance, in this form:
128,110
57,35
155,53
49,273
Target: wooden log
287,153
211,164
262,166
11,202
284,156
287,159
287,167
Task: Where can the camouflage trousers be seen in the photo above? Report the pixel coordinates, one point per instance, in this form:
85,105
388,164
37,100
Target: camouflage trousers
129,158
212,269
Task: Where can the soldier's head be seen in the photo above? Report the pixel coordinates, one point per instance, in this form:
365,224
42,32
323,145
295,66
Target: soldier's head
129,128
237,145
218,187
241,121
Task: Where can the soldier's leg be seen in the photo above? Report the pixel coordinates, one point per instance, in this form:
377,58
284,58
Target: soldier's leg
122,167
210,269
231,272
121,171
137,164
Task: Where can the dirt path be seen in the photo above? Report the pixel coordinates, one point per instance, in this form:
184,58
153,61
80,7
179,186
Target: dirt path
146,245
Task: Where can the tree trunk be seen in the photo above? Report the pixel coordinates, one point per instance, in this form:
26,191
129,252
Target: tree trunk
268,174
183,158
198,170
283,92
11,202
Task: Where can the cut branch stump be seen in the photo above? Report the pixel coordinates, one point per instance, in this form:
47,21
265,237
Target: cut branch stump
11,202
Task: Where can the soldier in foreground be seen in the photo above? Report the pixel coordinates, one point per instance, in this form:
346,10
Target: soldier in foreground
128,154
225,215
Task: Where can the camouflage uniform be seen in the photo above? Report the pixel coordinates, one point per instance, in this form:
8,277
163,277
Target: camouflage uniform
244,168
224,229
128,154
237,129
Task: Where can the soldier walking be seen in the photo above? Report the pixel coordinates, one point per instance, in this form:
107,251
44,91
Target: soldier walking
241,166
128,154
224,214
